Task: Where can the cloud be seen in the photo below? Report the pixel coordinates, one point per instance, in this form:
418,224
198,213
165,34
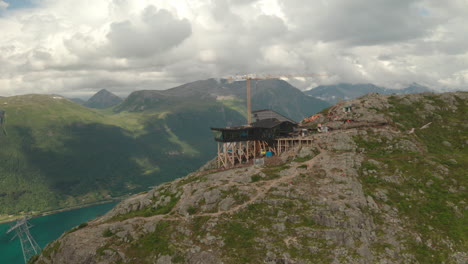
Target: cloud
3,5
157,31
78,47
359,22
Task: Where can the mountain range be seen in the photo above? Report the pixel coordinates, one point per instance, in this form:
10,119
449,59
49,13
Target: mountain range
277,95
59,154
345,91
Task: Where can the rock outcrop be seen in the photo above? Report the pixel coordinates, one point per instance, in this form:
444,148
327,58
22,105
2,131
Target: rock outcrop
372,193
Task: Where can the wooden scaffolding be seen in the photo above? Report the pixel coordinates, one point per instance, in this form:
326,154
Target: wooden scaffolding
231,154
285,144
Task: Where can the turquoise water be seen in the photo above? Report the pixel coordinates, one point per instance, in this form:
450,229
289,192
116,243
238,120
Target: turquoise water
46,229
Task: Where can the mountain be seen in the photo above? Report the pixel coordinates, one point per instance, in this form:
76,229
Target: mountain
58,154
103,99
413,88
273,94
78,100
388,187
345,91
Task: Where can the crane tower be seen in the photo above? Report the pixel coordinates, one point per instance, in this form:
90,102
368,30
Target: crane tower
249,77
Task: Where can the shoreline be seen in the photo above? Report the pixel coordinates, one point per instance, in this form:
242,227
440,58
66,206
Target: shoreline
55,211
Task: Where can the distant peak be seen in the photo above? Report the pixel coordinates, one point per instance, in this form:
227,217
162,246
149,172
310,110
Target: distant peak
103,99
103,91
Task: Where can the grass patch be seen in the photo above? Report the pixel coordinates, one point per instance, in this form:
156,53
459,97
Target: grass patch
303,159
369,166
50,249
255,178
153,244
197,225
273,171
239,239
107,233
191,210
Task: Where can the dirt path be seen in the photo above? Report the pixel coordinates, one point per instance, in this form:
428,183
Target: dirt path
261,191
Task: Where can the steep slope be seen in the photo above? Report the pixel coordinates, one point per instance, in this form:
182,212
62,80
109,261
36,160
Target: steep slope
277,95
389,187
103,99
78,101
345,91
59,154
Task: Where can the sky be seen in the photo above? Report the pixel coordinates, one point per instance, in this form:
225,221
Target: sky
75,48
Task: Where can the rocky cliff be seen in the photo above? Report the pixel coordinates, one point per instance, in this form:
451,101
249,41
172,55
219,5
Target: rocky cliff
387,187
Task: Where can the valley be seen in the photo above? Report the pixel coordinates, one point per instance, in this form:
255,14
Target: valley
59,154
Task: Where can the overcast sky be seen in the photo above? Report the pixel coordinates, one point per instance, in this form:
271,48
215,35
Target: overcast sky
76,48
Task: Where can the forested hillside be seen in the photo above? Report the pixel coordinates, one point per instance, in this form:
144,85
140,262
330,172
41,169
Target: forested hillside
57,153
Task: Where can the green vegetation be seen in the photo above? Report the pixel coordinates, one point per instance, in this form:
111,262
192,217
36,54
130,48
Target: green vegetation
192,210
82,225
33,259
107,233
425,186
157,243
59,154
255,178
303,159
50,249
239,237
272,172
236,194
322,255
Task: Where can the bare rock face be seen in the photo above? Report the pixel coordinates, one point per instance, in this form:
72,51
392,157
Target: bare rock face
358,195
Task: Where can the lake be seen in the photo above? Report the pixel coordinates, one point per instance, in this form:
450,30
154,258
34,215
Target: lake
46,229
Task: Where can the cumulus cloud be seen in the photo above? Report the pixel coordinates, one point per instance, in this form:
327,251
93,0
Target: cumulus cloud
3,5
157,31
78,47
359,22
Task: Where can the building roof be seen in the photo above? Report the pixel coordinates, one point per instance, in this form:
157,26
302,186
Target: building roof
273,114
267,123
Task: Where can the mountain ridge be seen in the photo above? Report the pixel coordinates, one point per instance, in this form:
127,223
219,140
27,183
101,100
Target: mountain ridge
386,187
277,95
346,91
110,153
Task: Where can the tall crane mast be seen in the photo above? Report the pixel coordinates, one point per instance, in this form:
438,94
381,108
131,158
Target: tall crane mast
249,77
